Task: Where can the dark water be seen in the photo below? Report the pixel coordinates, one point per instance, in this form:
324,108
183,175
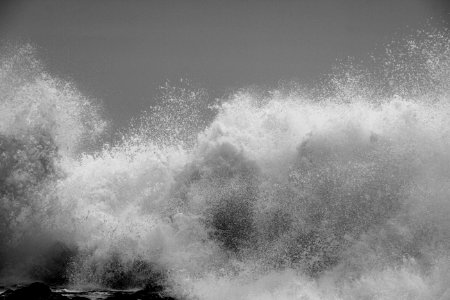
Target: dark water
339,191
64,293
90,294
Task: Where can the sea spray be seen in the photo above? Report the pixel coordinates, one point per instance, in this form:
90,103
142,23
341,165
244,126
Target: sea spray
42,120
340,192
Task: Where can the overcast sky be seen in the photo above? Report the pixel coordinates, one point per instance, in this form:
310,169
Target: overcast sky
121,51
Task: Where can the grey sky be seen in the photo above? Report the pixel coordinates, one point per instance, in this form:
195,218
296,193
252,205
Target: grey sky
121,51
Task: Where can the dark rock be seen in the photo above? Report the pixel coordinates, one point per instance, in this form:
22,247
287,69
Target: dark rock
6,293
147,293
34,291
138,296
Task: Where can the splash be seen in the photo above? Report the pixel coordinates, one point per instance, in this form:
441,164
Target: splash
339,192
42,120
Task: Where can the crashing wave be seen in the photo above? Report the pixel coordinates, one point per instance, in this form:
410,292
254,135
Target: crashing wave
336,193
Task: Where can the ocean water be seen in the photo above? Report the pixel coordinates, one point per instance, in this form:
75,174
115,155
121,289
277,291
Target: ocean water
336,191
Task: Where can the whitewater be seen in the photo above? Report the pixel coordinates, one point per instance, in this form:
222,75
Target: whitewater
335,191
